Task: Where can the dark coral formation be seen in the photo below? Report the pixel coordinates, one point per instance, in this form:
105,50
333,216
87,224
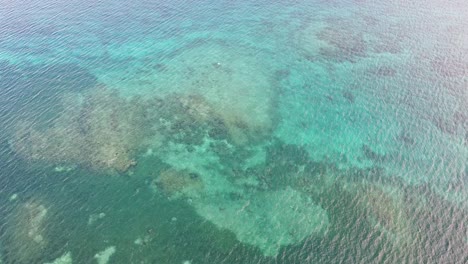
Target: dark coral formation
287,165
175,183
345,45
101,131
349,96
370,154
189,118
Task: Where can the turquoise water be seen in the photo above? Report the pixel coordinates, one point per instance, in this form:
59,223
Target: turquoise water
233,132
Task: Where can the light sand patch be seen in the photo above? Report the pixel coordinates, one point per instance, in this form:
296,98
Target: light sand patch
267,220
104,256
64,259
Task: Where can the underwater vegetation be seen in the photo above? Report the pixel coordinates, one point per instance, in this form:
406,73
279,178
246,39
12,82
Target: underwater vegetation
203,147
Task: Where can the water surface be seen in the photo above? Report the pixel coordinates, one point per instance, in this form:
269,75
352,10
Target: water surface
233,132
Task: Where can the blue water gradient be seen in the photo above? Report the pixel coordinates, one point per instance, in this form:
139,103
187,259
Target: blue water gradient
234,131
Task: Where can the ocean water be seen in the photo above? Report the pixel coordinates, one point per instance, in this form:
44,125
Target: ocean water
233,131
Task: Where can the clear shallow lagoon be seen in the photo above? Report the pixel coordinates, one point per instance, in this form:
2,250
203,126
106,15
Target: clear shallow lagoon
233,132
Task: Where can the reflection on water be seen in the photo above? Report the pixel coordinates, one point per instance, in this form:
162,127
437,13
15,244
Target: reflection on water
289,132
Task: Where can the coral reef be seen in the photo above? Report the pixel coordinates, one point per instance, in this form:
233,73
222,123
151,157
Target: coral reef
267,220
189,118
175,183
229,83
100,130
185,118
332,40
345,45
227,96
387,212
64,259
26,233
290,165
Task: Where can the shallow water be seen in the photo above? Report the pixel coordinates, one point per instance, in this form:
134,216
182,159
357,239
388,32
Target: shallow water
233,132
